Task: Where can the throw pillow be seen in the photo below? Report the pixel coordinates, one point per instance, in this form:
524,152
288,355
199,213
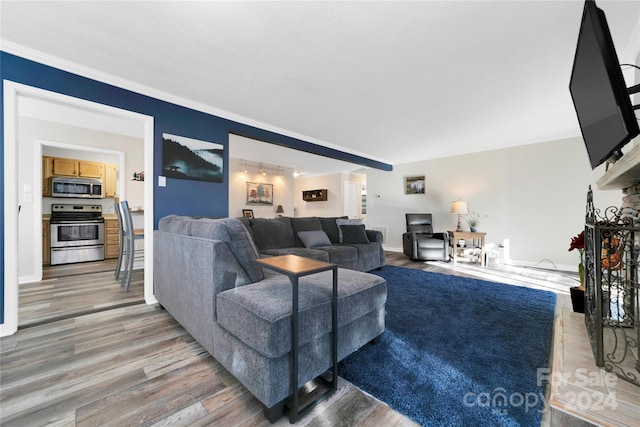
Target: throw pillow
354,234
345,221
314,238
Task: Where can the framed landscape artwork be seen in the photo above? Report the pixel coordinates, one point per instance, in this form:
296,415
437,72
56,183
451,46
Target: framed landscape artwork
414,184
187,158
259,194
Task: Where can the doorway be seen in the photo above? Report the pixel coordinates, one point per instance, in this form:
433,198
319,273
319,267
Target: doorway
17,199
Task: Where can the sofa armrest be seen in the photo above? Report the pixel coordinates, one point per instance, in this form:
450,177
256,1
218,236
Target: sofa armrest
188,274
374,236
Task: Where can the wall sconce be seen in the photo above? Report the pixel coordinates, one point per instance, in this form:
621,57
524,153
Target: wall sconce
459,207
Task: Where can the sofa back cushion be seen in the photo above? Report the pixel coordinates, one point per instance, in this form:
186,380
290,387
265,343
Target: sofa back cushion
273,233
304,224
176,224
236,236
330,227
247,224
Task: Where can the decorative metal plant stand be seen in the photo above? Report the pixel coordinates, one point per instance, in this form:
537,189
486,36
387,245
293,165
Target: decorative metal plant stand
612,246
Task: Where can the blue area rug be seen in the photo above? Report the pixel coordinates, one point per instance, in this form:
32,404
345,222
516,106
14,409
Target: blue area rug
458,351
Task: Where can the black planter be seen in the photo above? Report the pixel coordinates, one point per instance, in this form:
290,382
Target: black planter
577,299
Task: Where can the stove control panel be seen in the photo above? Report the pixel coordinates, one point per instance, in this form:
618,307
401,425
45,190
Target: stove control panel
58,207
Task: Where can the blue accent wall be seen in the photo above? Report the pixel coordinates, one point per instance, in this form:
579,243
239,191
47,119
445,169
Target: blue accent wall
183,197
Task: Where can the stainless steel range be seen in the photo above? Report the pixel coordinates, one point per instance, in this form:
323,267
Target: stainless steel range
77,233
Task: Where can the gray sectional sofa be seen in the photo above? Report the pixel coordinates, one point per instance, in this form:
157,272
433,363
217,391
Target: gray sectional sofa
206,276
280,236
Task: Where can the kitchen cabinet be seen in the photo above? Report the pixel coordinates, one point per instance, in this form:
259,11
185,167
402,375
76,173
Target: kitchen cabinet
110,180
46,242
79,168
90,169
58,166
47,173
111,238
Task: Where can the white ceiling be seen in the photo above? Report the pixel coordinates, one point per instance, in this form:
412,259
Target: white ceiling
393,81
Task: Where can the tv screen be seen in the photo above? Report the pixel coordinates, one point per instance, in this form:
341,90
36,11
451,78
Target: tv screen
598,89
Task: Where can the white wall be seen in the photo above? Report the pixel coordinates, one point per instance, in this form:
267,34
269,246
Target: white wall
333,206
533,195
282,189
30,130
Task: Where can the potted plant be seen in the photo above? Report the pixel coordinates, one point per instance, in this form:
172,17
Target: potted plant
474,219
577,292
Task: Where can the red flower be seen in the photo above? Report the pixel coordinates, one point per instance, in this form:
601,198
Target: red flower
577,242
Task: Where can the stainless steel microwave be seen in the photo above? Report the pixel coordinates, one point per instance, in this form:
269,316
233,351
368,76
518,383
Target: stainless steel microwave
64,186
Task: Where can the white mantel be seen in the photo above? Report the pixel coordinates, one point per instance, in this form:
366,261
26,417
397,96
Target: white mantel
622,174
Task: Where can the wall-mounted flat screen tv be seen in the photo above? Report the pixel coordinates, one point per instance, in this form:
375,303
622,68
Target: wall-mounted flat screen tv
600,96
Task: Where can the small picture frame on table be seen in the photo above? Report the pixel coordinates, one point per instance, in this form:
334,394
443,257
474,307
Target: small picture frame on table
247,213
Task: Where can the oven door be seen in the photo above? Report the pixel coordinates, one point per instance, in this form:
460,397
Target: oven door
69,233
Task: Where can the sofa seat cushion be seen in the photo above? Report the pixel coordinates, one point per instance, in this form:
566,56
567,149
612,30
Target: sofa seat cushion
259,314
340,254
368,255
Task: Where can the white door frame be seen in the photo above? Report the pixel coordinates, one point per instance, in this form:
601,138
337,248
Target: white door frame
12,92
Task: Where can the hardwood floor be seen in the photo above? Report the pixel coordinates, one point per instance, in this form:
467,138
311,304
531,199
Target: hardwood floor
135,365
76,289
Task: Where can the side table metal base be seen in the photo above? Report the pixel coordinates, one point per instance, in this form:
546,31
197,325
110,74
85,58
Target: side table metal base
294,267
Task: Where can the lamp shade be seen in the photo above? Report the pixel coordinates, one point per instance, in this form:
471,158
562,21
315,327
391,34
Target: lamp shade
279,209
459,207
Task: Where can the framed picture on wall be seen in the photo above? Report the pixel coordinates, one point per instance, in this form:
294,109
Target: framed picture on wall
247,213
259,194
187,158
414,184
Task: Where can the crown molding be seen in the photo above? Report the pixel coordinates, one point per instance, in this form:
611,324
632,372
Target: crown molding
91,73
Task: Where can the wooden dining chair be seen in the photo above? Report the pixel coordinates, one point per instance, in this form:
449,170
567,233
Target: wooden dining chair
130,235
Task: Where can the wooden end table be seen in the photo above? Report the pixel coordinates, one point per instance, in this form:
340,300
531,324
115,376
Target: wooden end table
477,239
295,267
